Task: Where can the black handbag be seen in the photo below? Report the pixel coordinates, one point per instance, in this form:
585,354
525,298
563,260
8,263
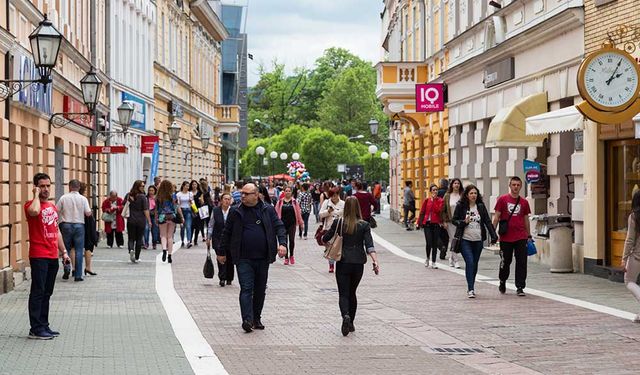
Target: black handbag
503,225
373,223
207,270
456,242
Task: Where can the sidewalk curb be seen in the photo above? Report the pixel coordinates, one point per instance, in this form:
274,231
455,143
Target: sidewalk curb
492,280
196,348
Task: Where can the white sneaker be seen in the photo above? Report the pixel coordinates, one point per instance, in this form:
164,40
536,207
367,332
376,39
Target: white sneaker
451,263
426,263
457,264
637,319
132,256
433,265
471,294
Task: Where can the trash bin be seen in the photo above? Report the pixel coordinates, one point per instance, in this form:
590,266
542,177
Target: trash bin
560,233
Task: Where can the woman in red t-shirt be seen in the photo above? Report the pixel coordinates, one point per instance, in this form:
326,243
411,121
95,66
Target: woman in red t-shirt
431,220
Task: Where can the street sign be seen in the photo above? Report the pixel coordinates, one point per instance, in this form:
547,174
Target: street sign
106,149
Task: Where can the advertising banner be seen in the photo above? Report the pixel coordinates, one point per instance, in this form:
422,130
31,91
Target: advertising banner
34,96
139,114
155,158
70,105
535,174
430,97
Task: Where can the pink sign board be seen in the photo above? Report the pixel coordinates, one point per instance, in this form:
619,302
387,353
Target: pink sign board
429,97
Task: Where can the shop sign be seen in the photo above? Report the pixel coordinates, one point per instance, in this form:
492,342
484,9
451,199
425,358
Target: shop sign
106,149
139,113
148,142
35,96
497,73
70,105
429,97
535,174
175,109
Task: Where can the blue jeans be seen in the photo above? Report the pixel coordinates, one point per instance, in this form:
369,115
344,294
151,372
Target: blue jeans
73,236
316,210
187,225
154,231
471,251
252,275
43,279
305,219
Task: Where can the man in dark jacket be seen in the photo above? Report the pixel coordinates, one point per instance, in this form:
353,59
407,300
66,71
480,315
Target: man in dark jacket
252,236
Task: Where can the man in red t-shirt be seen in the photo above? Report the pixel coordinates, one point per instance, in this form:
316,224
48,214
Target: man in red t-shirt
45,241
514,210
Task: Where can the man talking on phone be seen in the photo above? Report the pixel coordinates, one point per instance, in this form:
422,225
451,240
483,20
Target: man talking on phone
45,241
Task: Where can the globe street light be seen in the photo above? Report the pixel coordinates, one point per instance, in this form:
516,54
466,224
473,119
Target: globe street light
372,150
283,156
295,156
274,156
384,155
260,151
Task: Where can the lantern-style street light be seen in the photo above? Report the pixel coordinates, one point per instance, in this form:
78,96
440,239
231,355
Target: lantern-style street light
174,133
45,44
125,114
90,86
373,126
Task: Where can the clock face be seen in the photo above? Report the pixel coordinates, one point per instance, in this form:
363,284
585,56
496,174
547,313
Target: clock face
610,80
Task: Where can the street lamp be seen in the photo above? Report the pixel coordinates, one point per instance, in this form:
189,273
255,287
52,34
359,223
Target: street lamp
125,114
90,85
260,151
283,156
274,156
384,155
373,126
45,44
372,150
295,156
174,133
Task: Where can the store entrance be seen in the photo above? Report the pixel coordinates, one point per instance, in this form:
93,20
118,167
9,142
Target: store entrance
623,179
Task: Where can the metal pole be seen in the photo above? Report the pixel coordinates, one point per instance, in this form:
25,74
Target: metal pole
94,134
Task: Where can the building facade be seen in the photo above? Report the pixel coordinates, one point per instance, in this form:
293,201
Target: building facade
131,39
414,33
187,89
612,152
28,143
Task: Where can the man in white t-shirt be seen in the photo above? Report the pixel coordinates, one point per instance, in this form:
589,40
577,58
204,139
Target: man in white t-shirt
72,209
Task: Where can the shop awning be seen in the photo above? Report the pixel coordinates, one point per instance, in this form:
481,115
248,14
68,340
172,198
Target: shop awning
561,120
507,129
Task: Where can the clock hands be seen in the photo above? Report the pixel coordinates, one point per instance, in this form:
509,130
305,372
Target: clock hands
614,73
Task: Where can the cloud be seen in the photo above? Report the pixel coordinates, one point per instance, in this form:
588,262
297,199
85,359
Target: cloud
297,32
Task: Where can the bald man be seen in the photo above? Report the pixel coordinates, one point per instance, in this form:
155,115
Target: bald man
252,236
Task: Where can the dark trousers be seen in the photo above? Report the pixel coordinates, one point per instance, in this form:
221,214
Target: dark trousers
43,279
252,275
409,209
507,251
198,227
471,251
377,210
348,276
305,219
225,271
135,234
432,237
119,238
291,232
444,242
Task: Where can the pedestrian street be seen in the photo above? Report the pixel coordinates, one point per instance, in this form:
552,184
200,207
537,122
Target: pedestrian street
411,320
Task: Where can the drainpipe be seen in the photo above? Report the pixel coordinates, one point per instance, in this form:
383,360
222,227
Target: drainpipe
7,68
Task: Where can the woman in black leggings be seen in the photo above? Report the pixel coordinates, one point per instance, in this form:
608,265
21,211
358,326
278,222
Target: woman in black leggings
289,212
431,220
356,244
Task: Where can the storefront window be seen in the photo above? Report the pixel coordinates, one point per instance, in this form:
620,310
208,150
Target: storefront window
625,168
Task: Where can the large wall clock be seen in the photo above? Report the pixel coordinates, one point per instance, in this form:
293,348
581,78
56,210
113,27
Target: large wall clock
608,80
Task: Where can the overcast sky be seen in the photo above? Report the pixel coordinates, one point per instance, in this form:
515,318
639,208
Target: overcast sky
297,32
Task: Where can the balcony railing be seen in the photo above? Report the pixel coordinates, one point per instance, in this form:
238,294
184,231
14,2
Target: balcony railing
399,78
228,113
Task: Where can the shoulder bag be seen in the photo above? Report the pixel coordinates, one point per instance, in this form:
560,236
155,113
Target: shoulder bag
125,210
503,225
108,217
207,270
373,223
319,233
334,247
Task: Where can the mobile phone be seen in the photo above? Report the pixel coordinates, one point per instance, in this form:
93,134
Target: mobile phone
376,269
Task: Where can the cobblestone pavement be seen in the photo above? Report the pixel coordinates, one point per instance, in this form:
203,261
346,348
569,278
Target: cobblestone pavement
411,320
112,323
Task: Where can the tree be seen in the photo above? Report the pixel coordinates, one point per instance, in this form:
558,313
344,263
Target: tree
350,102
323,150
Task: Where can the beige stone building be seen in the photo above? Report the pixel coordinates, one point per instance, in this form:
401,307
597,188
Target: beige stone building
27,143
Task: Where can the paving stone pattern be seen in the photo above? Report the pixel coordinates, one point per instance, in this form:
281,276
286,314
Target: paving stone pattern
405,315
112,323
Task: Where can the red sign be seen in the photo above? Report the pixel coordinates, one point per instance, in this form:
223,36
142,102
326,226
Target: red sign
148,141
106,149
429,97
70,105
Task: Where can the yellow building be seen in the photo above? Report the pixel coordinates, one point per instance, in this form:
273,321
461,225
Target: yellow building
188,90
28,144
415,32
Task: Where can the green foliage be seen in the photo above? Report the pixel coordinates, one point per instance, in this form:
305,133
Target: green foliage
313,112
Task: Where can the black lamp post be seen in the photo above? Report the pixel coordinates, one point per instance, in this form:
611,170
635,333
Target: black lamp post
45,43
90,85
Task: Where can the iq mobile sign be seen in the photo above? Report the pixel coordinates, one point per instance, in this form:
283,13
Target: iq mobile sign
429,97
